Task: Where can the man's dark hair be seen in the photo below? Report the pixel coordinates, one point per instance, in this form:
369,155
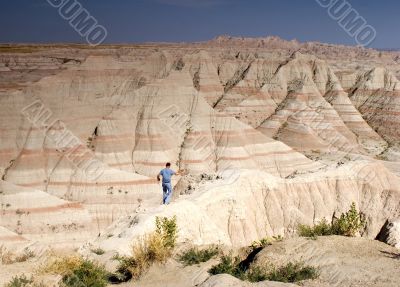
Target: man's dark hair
168,164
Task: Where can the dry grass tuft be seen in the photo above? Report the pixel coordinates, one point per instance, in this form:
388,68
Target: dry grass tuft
8,257
148,250
77,271
26,255
61,266
156,247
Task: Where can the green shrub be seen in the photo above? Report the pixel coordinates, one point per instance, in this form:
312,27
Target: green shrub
87,274
196,256
323,228
348,224
264,242
168,230
152,248
19,281
77,271
23,281
229,265
256,274
261,243
293,272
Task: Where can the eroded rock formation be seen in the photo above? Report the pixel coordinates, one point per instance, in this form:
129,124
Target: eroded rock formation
284,132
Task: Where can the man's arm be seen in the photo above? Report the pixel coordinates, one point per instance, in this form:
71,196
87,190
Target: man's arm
180,172
158,176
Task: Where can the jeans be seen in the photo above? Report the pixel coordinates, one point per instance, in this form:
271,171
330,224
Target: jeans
167,192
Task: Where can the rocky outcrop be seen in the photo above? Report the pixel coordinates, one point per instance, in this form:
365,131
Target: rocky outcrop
342,261
259,205
284,133
376,95
34,215
390,233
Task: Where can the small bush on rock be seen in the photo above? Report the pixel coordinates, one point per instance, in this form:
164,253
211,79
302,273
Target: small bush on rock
23,281
87,274
323,228
229,265
62,265
195,256
19,281
167,229
156,247
264,242
348,224
261,243
256,274
77,271
291,272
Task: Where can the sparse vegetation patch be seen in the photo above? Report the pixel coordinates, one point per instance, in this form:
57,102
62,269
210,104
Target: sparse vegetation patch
77,271
153,248
23,281
7,257
348,224
196,256
291,272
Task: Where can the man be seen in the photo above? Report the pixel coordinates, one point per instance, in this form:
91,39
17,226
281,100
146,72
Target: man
166,175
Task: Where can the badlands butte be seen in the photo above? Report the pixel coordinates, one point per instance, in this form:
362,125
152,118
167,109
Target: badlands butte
271,133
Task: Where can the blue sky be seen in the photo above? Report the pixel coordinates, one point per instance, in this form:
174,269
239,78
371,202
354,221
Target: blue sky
133,21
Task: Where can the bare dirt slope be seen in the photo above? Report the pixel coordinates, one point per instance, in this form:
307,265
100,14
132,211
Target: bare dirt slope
342,261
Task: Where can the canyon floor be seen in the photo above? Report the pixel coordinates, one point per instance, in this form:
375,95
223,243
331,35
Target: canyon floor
271,134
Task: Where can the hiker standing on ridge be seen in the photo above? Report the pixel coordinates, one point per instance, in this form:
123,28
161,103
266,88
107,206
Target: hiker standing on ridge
166,174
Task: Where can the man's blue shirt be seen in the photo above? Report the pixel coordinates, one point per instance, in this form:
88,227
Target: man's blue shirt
166,174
